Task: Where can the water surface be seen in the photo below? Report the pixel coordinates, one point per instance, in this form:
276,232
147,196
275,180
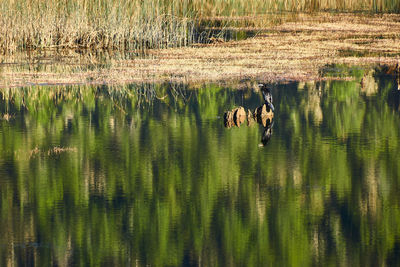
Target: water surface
148,175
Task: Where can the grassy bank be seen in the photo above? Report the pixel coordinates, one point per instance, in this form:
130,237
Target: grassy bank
291,51
135,24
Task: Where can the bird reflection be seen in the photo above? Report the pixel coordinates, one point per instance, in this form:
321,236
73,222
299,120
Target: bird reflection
267,133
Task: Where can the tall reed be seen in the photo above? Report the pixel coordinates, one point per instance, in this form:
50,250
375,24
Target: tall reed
93,23
137,24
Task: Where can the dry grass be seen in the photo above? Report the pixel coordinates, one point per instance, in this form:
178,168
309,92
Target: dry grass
36,152
109,24
58,150
287,52
6,117
137,24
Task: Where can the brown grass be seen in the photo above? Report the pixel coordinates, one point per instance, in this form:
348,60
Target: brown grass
138,24
292,51
110,24
32,153
6,117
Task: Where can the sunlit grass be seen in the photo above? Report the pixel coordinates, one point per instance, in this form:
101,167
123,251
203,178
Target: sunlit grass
291,51
124,24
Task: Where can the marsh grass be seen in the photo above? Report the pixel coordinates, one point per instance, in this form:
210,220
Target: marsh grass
92,24
136,24
291,51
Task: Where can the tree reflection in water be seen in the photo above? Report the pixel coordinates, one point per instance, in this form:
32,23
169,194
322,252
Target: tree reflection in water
147,174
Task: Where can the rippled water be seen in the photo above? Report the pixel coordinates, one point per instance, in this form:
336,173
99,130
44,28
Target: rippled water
148,175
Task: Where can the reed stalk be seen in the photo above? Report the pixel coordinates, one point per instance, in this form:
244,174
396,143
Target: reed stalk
137,24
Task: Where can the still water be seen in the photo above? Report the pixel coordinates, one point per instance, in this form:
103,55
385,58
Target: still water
148,175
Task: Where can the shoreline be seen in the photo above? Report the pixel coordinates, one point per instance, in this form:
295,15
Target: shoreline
292,51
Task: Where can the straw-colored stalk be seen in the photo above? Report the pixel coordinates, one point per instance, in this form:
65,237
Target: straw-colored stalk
137,24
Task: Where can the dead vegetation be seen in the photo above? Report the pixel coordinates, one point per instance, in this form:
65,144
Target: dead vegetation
58,150
292,51
7,117
36,152
238,116
137,24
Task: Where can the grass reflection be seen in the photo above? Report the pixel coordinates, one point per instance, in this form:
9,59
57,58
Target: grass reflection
153,177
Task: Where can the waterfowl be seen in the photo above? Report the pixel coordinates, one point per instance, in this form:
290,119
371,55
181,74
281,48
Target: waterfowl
266,95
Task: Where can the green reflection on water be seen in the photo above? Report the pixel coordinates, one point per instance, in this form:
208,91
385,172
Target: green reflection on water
147,174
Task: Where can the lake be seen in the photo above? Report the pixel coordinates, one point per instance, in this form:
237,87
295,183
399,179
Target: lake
147,174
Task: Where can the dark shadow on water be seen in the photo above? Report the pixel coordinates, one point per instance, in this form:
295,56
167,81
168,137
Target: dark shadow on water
207,36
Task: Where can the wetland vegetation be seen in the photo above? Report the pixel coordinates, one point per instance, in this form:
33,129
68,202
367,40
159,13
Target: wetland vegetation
288,51
114,149
126,24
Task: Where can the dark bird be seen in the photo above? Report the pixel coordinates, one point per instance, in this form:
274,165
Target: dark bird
266,95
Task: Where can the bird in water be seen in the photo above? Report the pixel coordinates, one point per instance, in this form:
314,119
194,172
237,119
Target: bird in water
267,95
